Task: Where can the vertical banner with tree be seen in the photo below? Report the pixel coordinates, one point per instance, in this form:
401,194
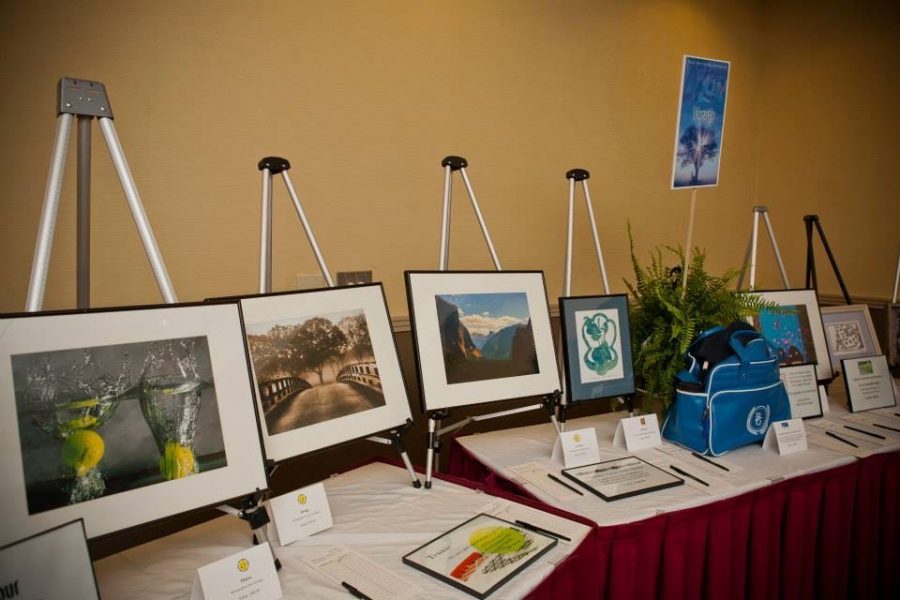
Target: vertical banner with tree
701,122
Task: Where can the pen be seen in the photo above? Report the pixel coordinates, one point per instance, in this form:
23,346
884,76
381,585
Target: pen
874,435
563,483
885,427
712,462
686,474
531,527
839,438
354,591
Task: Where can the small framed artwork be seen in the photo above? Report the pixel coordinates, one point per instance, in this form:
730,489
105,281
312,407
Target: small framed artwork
481,336
596,336
849,333
325,367
481,555
796,330
124,416
893,336
868,383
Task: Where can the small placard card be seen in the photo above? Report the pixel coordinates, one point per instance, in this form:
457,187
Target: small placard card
802,390
638,433
301,513
579,447
868,382
246,574
52,564
786,437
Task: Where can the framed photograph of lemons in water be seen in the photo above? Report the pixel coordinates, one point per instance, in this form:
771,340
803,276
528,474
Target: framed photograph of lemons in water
596,335
124,416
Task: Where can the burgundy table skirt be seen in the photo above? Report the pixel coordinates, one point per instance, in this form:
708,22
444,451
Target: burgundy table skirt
831,534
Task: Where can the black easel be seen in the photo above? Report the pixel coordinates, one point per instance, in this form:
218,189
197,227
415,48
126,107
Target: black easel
811,281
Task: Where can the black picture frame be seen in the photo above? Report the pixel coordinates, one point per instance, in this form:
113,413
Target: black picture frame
668,480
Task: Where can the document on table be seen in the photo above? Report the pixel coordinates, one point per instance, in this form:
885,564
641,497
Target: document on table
341,564
513,511
867,435
539,476
716,465
693,473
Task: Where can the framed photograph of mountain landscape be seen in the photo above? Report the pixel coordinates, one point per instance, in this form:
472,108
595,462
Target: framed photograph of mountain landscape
596,336
121,417
481,336
325,367
796,329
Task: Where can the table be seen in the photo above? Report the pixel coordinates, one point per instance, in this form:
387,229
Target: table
376,513
814,524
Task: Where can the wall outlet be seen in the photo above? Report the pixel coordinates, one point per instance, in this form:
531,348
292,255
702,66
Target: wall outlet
309,282
354,277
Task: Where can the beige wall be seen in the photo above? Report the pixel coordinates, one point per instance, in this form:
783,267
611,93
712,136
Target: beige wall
365,98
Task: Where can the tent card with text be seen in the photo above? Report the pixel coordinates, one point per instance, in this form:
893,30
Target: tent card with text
325,367
481,336
125,416
701,122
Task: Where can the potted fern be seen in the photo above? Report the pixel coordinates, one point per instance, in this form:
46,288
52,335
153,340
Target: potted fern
666,315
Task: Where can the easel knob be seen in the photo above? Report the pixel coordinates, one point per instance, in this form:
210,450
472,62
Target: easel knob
275,164
454,162
578,174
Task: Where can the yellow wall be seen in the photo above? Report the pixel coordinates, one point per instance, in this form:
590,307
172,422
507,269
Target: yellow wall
365,98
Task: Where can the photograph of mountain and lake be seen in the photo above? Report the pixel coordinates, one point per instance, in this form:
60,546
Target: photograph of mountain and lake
486,336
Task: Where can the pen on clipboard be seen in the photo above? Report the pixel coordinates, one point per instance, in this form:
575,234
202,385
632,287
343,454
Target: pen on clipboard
712,462
564,484
537,529
354,591
856,429
686,474
886,427
840,439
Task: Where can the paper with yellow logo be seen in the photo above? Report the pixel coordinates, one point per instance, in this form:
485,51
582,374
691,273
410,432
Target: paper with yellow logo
301,513
579,447
247,574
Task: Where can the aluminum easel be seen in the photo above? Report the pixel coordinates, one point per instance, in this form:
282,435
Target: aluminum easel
86,101
752,246
432,453
273,165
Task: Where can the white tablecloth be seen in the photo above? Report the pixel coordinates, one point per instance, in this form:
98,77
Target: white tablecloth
501,450
376,512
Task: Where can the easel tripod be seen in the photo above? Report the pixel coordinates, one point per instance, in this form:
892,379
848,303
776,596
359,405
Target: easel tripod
811,282
753,245
87,100
273,165
453,164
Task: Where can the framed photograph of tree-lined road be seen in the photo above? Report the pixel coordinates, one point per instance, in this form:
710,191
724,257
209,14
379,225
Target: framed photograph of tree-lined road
701,122
481,336
325,367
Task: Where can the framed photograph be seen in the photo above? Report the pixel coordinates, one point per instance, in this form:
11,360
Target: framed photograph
480,555
893,336
596,334
849,333
797,331
481,336
24,565
622,478
124,416
868,383
325,367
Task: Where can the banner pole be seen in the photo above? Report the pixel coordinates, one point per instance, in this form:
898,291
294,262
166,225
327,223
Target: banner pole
690,236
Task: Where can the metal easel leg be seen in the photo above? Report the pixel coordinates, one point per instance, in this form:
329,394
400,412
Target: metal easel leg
481,223
448,164
753,247
306,227
83,220
265,233
44,243
810,258
599,252
771,232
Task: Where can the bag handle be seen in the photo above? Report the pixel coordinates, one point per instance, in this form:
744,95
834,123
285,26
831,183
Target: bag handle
741,349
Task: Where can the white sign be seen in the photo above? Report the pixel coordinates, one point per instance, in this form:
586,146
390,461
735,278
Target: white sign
786,437
301,513
246,574
802,390
580,447
638,433
869,384
52,564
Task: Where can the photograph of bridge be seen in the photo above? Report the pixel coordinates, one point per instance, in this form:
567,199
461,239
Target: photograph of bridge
314,369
